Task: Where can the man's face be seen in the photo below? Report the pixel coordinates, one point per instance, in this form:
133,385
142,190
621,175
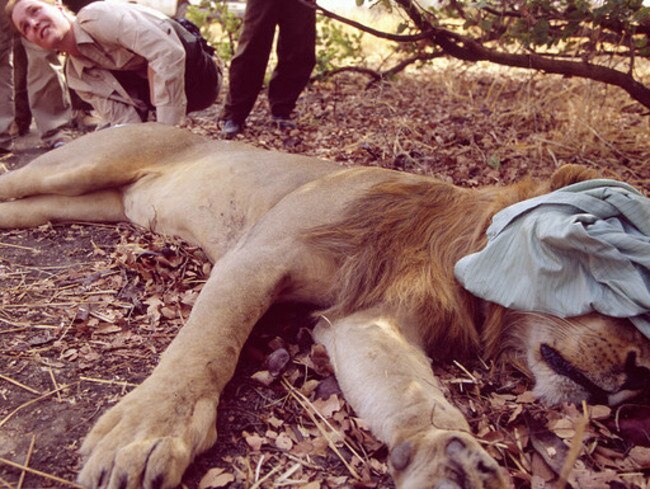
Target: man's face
42,23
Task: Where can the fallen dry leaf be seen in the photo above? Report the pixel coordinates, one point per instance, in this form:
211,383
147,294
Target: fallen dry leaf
283,442
216,478
327,407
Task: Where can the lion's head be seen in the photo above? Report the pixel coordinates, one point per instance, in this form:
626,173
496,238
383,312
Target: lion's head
593,357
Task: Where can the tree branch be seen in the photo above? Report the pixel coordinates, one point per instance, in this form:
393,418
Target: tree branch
409,61
467,49
377,76
357,25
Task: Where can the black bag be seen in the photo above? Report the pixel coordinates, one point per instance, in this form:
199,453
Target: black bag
193,29
202,73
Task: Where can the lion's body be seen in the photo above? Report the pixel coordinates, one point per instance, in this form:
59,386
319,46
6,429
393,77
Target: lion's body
373,248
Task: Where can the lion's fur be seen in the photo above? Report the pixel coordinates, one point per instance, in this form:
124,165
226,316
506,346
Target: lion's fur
398,244
377,248
390,249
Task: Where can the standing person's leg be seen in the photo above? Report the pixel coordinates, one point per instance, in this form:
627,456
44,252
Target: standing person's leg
49,99
21,100
248,66
6,82
296,56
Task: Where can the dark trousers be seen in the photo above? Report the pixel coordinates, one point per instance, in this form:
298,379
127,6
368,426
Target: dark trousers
202,77
23,114
296,57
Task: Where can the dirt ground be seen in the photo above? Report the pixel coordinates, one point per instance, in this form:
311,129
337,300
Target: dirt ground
85,310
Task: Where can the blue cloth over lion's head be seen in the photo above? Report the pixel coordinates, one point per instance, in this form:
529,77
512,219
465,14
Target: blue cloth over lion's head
582,248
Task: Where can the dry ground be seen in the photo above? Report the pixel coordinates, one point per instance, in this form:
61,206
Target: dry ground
85,310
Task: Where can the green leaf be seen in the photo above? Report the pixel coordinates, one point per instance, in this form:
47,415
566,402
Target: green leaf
485,25
494,161
540,32
642,14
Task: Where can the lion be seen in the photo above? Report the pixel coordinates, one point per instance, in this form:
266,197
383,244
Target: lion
373,249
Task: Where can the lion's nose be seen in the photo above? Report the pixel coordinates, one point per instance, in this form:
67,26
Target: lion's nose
637,382
636,377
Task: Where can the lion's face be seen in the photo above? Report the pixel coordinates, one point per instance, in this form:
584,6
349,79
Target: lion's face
593,357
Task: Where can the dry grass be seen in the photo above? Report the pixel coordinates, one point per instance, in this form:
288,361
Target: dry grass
566,119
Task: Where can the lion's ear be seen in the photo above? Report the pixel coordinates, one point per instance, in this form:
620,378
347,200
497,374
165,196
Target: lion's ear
400,456
571,173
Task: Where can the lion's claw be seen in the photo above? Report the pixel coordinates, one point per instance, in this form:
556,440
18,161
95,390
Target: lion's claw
445,460
158,463
138,443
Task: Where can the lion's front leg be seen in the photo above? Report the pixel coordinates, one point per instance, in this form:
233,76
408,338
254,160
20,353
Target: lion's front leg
150,437
389,382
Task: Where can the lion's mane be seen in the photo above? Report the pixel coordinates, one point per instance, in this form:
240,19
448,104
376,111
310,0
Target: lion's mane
398,244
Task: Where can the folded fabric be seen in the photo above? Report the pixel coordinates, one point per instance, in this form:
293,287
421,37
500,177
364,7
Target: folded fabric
582,248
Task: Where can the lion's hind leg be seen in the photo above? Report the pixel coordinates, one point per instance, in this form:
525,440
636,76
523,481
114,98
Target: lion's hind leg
389,382
65,174
106,159
62,171
104,206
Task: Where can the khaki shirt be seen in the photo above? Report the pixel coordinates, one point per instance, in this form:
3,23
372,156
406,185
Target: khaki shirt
123,36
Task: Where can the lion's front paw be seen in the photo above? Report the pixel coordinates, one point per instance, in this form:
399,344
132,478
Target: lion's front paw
147,441
445,460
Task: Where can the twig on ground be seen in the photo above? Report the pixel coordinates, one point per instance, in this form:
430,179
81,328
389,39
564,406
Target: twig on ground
575,448
122,383
310,409
54,383
33,401
19,247
19,384
288,473
258,483
27,459
6,484
45,475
